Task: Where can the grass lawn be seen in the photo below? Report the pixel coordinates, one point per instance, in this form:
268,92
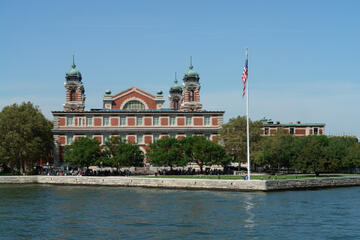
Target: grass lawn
255,177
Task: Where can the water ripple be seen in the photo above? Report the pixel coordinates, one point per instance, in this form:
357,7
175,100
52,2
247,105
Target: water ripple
81,212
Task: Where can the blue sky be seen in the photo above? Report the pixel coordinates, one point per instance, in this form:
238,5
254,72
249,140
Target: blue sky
304,56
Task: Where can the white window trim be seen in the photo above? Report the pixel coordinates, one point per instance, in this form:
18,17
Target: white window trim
317,131
142,121
192,121
153,122
142,142
68,141
72,122
210,120
175,121
86,122
103,122
125,121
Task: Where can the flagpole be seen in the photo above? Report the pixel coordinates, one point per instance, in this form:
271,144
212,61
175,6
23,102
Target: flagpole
247,122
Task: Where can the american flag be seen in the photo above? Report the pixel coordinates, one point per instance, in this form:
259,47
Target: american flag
245,74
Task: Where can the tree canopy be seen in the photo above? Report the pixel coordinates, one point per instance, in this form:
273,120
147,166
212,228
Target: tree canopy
25,136
83,152
166,152
203,152
120,154
233,136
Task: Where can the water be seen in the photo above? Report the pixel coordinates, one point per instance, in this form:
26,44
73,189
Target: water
81,212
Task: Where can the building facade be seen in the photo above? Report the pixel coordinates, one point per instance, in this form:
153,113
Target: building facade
133,114
297,129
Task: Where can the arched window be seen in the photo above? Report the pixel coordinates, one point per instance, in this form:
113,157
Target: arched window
191,95
72,95
176,105
134,105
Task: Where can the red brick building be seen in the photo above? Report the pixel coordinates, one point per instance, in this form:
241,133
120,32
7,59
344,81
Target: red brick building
297,128
133,114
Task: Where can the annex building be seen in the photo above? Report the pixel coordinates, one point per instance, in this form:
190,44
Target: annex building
298,128
133,114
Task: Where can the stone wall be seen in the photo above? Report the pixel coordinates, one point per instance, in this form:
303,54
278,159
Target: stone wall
311,183
209,184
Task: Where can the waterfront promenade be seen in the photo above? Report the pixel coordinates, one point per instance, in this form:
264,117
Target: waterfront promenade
177,183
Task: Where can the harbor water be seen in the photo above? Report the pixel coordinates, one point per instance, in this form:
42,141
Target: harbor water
34,211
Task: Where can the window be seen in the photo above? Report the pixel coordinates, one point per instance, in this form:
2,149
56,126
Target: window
80,121
172,135
189,134
72,95
191,94
156,121
122,121
123,137
172,120
106,138
89,121
188,121
106,121
266,131
315,131
207,136
207,120
292,130
156,137
139,138
89,136
134,105
176,105
69,121
69,139
139,121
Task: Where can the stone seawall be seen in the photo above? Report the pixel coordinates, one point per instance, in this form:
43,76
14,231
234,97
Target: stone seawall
311,183
178,183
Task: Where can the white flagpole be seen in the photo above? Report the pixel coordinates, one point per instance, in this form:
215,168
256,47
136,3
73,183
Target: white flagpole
247,119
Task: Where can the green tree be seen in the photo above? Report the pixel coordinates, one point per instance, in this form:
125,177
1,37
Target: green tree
83,152
312,153
276,151
120,154
218,155
352,159
166,152
25,136
233,136
335,153
203,152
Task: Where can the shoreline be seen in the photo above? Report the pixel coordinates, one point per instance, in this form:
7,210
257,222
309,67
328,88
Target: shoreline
195,184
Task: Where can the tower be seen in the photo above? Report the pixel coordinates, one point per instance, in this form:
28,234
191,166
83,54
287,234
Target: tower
175,96
191,90
74,89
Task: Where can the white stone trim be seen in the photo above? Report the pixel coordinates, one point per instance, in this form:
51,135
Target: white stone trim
134,98
133,89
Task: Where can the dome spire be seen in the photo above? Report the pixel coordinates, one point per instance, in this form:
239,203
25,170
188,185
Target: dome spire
73,64
176,81
191,66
